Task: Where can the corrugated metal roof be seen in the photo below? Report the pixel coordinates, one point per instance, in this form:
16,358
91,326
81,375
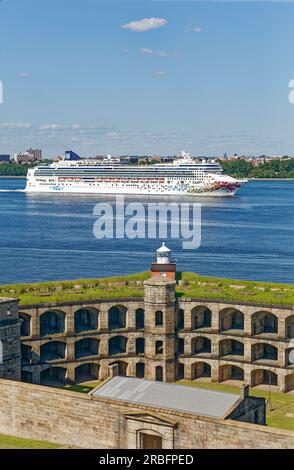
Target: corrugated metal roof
160,394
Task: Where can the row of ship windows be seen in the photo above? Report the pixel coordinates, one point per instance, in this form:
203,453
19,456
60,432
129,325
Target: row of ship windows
86,178
118,174
112,184
123,183
109,185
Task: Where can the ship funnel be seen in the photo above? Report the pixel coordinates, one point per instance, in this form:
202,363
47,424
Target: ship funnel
70,155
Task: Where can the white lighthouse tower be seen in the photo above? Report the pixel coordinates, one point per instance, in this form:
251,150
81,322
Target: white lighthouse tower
164,264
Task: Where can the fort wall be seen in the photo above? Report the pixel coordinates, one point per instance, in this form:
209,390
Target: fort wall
194,340
70,418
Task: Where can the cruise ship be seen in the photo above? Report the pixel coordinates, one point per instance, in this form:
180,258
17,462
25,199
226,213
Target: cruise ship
184,176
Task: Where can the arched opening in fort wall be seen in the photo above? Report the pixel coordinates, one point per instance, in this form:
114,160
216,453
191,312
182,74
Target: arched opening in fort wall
201,317
117,317
263,377
53,376
86,347
231,319
52,322
86,319
86,372
230,372
200,370
25,324
52,351
117,345
264,322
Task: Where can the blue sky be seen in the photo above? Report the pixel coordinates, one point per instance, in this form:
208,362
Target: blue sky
210,77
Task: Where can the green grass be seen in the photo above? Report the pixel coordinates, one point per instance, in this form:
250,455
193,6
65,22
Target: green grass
191,285
86,388
280,404
80,289
11,442
195,286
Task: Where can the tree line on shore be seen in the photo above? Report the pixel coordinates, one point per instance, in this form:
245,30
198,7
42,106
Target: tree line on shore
240,168
278,168
17,169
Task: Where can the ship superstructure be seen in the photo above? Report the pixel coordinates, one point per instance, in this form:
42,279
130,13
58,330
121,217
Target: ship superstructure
184,176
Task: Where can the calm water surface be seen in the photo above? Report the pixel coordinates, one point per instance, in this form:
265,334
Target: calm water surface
47,237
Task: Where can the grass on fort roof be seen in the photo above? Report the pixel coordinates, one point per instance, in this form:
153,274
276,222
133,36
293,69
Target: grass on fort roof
191,285
12,442
280,406
196,286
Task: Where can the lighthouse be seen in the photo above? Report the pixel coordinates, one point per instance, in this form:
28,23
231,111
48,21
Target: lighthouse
163,264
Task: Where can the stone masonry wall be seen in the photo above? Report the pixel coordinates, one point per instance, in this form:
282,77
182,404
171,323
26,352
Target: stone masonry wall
10,355
244,342
34,411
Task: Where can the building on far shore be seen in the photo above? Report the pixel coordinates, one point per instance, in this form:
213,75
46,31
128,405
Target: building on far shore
29,156
36,154
5,158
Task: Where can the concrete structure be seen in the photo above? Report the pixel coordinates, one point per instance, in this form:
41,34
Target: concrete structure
158,337
185,399
70,418
10,357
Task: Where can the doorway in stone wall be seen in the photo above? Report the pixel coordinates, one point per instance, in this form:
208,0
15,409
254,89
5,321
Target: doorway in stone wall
150,441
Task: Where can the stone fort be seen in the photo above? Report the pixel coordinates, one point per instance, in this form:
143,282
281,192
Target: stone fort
158,337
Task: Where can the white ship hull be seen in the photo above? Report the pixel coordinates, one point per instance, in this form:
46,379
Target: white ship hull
127,191
180,178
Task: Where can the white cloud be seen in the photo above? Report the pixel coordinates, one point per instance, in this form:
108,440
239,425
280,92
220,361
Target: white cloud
144,50
168,54
145,24
194,29
50,127
160,73
88,143
24,75
15,125
147,51
113,135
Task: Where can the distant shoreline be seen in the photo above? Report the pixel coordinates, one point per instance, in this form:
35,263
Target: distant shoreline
14,177
270,179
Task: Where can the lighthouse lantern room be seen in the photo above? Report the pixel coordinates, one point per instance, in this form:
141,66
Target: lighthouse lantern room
164,264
